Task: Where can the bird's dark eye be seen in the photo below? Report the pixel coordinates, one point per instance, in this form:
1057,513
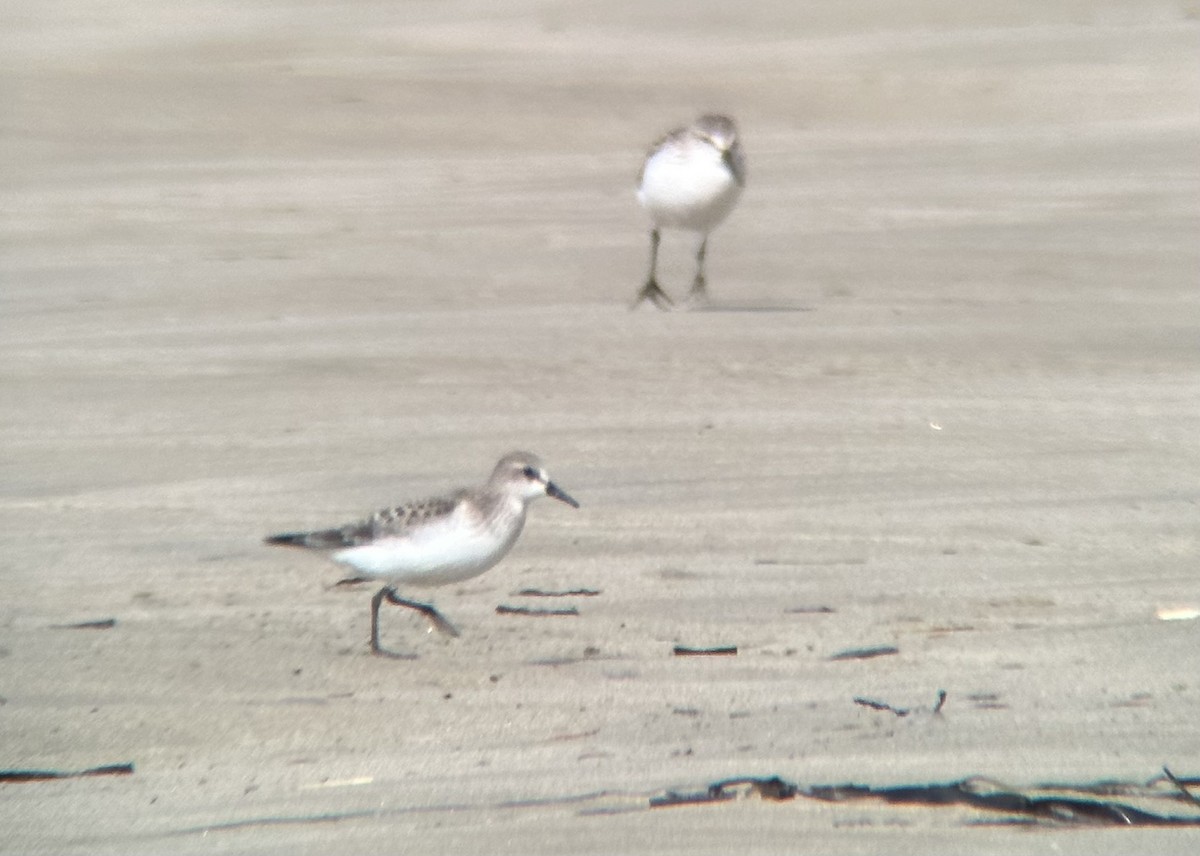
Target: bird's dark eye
530,473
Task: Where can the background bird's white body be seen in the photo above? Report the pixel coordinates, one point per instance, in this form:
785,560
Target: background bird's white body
688,185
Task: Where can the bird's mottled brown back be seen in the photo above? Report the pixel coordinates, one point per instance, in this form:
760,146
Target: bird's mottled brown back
395,520
387,522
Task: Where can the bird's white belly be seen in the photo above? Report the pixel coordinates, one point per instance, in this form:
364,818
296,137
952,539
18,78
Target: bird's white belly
687,192
439,552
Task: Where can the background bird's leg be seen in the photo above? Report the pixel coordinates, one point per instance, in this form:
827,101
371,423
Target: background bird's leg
699,290
651,290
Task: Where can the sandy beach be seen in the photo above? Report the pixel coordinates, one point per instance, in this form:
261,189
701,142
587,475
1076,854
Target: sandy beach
271,268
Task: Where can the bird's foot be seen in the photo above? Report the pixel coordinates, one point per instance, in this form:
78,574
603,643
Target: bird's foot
653,292
441,623
391,655
427,609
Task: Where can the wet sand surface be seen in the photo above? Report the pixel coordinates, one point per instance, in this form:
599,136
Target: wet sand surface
273,268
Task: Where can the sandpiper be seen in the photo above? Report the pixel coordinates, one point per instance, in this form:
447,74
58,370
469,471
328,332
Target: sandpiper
691,180
437,541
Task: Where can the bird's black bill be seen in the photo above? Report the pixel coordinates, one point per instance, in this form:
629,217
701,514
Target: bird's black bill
558,493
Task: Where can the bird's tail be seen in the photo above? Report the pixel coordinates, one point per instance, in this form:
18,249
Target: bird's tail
324,539
289,539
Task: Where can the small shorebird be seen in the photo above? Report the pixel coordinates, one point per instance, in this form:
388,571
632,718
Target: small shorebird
691,180
437,541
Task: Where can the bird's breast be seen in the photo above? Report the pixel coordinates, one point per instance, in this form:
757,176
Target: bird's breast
688,191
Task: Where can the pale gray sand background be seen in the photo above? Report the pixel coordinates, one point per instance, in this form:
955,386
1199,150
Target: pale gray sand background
271,269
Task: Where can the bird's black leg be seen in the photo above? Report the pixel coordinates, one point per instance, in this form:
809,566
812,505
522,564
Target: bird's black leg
699,292
427,609
651,290
388,592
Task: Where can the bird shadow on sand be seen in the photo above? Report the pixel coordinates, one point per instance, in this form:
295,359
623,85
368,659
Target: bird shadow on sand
747,307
